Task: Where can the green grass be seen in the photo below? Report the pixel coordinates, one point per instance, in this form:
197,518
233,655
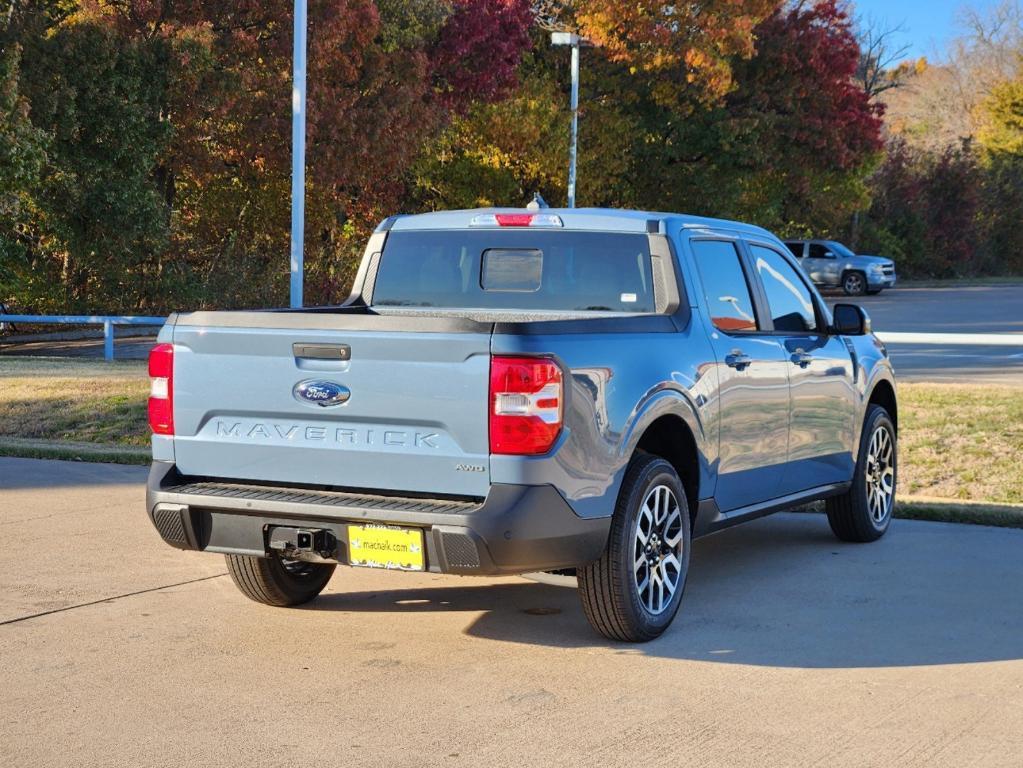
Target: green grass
73,401
957,442
47,449
959,512
961,441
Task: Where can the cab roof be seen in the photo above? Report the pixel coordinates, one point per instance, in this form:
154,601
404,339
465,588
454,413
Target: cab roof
579,219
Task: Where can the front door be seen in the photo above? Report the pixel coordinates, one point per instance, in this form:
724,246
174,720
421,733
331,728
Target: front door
821,264
752,369
821,376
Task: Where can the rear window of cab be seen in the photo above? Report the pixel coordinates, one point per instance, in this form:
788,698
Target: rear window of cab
516,269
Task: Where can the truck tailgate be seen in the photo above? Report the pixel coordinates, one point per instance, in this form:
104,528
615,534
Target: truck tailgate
415,419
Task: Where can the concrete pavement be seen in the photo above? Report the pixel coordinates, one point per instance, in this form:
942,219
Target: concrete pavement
792,650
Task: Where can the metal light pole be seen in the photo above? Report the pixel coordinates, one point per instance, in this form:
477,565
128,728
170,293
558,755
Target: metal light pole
298,156
569,38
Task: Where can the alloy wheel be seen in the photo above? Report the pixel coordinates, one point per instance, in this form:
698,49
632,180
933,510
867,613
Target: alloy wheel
880,471
854,284
657,557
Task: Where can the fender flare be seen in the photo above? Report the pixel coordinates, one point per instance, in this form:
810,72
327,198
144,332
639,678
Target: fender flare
675,402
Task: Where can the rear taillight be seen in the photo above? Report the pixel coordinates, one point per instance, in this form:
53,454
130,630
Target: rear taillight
526,396
161,393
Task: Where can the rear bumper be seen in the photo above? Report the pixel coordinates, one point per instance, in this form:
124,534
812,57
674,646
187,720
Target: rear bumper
516,529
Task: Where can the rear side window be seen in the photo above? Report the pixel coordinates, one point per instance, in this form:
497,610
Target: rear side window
787,295
725,289
796,248
516,269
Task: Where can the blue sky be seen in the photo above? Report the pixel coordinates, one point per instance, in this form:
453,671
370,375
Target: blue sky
929,24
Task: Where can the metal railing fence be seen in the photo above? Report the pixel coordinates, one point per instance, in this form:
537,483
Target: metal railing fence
107,321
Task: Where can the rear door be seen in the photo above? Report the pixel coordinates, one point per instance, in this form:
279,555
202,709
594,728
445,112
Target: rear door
408,410
752,370
820,374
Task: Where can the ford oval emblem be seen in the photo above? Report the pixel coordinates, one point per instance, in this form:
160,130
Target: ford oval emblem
322,393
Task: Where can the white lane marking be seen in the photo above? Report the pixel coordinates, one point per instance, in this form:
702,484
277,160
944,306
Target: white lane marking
942,355
967,339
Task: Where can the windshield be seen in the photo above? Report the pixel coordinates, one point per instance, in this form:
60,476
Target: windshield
516,269
840,250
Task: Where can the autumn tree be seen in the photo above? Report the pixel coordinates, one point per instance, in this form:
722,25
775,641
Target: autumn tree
788,144
680,46
167,127
1001,141
798,135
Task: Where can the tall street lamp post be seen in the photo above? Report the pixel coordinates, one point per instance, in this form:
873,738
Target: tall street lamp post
298,156
569,38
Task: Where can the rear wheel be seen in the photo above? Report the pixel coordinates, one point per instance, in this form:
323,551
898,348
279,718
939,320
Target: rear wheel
854,283
864,512
277,581
633,591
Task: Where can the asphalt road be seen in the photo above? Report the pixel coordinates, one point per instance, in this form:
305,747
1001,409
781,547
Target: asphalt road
987,309
793,650
128,348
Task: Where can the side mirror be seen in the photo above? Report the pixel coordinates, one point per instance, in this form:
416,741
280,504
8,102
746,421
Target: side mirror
850,320
830,255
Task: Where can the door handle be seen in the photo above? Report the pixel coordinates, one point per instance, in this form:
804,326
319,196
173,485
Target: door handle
304,351
738,360
801,358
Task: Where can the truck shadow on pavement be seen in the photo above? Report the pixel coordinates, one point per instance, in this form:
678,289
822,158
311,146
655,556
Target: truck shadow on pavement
783,592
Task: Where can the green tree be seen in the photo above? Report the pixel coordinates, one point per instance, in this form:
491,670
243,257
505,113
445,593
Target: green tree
22,155
99,225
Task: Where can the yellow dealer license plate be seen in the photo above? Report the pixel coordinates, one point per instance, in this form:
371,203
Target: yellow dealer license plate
382,546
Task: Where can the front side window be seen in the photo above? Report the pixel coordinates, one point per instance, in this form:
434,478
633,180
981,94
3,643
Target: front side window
840,250
819,251
789,299
725,289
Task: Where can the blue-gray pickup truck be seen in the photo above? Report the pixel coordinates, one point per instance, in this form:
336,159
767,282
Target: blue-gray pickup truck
510,391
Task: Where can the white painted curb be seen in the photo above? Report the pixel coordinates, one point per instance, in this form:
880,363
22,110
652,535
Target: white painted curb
965,339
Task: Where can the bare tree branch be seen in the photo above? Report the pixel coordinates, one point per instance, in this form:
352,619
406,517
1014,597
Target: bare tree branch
882,60
551,15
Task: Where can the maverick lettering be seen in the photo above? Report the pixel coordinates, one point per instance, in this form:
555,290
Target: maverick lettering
340,435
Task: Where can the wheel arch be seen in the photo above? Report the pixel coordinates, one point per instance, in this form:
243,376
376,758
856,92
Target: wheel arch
858,270
883,394
670,437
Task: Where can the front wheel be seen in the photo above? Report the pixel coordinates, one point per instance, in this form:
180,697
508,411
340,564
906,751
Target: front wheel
864,512
854,283
278,581
633,591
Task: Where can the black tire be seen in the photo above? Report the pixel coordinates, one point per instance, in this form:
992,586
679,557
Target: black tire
608,588
851,515
854,283
272,581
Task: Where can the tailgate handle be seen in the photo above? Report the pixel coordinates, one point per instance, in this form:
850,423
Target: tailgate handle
322,351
